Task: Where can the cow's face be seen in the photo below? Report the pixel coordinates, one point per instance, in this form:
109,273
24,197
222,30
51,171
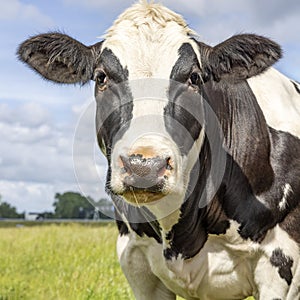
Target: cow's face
150,139
149,80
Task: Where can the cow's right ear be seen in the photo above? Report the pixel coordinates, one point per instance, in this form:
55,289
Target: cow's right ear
60,58
239,57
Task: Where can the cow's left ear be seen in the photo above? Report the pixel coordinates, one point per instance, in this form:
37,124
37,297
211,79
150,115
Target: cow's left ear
241,57
60,58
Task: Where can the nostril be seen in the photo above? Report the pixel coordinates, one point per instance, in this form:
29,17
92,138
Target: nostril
124,170
165,165
168,166
125,165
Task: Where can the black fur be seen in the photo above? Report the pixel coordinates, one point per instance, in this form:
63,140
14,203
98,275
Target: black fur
284,265
296,85
291,222
240,57
188,236
141,216
183,104
114,104
185,63
59,58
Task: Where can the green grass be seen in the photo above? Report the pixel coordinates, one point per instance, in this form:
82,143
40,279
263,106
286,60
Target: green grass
61,262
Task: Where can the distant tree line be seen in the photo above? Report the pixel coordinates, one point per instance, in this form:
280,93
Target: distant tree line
8,211
69,205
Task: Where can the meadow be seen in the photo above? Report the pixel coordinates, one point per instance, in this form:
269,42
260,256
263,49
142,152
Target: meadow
61,262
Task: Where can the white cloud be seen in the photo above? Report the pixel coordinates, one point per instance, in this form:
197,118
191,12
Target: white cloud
31,196
32,148
40,154
36,155
215,20
90,165
204,8
104,5
16,10
31,114
266,14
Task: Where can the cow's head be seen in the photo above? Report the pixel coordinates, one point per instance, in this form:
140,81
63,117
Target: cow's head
149,73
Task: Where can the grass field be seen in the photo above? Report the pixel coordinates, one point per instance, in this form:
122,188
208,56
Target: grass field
61,262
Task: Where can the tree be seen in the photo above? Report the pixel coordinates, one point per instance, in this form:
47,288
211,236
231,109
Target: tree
47,215
7,211
105,208
71,205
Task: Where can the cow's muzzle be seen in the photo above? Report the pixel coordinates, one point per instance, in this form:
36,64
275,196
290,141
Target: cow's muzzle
145,178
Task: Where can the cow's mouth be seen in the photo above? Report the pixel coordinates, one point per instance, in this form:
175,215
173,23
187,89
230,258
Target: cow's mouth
142,197
141,190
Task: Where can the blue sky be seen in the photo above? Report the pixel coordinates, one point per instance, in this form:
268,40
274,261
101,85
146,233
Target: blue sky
38,119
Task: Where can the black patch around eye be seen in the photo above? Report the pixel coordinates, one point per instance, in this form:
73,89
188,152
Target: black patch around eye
112,66
114,102
186,62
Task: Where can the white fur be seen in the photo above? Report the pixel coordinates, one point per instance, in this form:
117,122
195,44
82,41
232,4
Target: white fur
287,190
156,33
122,244
227,267
278,99
276,287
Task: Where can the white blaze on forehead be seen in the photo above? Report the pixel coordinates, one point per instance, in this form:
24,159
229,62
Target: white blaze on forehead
146,39
147,124
150,96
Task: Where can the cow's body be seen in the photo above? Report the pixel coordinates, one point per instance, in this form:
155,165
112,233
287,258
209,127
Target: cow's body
228,266
203,153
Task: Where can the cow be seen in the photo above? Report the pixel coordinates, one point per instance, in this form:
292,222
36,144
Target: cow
203,153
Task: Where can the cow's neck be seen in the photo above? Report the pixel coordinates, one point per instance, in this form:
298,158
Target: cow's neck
245,131
248,172
195,221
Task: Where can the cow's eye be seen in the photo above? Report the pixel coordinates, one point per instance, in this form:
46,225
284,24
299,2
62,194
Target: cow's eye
101,78
194,79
